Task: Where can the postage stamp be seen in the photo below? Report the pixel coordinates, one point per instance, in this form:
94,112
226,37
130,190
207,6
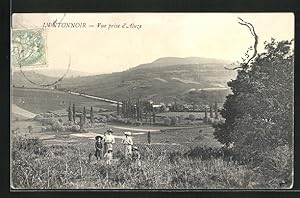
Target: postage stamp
29,47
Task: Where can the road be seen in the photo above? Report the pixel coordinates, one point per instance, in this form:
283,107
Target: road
133,129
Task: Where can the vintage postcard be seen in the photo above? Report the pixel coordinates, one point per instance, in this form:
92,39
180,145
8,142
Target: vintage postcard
152,101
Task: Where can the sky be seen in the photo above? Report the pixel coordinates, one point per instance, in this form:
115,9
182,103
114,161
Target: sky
101,50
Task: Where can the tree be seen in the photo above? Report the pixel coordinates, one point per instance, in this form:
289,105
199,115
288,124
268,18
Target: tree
70,114
84,115
92,116
118,108
216,111
167,121
137,110
74,114
123,108
211,111
30,128
174,120
81,123
141,111
149,137
205,116
192,117
259,112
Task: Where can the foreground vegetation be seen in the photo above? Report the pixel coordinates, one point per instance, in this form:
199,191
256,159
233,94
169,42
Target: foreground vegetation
37,166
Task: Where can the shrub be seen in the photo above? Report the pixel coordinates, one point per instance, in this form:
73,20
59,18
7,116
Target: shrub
167,121
210,120
174,156
57,126
48,128
30,128
181,119
47,115
44,129
75,128
38,117
109,118
192,117
277,165
138,123
174,120
50,120
101,118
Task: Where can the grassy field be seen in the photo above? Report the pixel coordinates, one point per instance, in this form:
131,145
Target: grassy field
170,138
38,100
62,160
36,165
198,115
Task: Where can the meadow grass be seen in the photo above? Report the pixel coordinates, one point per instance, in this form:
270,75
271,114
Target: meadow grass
37,166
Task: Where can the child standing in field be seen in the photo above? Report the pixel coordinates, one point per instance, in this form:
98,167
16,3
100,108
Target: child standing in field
108,156
109,140
136,156
98,147
127,141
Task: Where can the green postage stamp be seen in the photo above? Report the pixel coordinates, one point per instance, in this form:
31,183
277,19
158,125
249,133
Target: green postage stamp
28,47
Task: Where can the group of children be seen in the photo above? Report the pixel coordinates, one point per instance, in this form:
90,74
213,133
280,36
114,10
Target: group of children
105,145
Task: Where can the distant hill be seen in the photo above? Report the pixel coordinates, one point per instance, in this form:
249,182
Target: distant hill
19,80
168,79
57,73
43,76
192,79
167,61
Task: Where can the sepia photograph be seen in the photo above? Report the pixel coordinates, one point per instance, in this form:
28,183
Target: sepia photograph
174,101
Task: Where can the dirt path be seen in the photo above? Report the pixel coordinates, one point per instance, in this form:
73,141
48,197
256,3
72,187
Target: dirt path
149,129
22,112
92,135
133,129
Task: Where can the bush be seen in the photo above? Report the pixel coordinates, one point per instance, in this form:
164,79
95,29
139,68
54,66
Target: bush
49,121
181,119
210,120
38,117
101,118
57,126
206,153
138,123
174,120
109,118
30,128
192,117
277,165
48,128
167,121
47,115
75,128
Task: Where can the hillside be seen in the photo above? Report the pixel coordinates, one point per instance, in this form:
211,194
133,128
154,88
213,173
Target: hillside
57,73
164,80
168,61
19,80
